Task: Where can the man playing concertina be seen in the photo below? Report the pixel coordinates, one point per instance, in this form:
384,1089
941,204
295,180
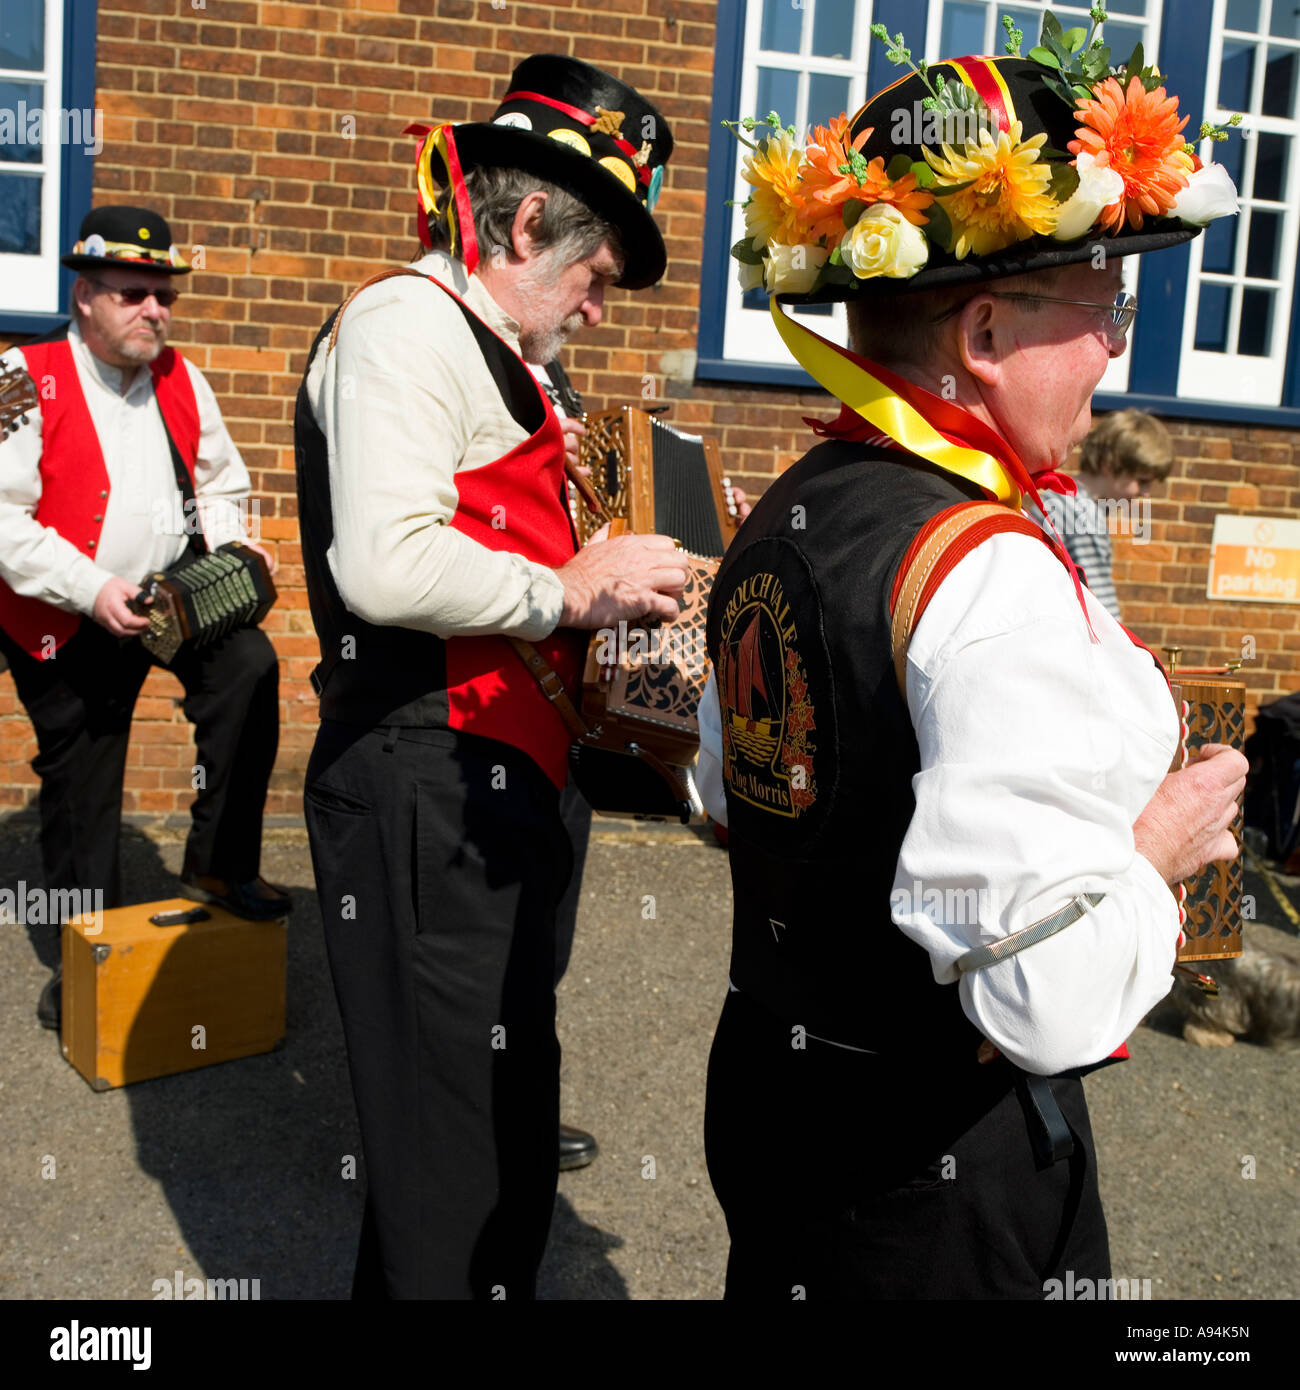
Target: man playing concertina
126,468
435,529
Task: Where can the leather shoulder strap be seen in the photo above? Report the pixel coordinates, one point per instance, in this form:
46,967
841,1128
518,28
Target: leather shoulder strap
365,284
947,538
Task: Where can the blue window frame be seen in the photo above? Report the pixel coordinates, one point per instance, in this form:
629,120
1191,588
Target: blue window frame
1239,299
49,135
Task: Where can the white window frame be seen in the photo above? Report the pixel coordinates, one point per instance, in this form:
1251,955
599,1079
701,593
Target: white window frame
1233,376
747,334
31,283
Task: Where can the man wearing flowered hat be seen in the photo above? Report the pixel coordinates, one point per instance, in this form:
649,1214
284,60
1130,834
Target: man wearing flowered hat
951,865
125,467
435,530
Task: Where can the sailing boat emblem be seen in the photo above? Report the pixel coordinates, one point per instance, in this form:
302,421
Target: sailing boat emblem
766,713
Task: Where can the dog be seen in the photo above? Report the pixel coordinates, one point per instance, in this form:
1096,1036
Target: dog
1258,999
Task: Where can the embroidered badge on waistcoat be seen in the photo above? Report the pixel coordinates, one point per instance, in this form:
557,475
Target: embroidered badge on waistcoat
767,715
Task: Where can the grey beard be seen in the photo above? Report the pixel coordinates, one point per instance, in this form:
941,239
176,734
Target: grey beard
543,347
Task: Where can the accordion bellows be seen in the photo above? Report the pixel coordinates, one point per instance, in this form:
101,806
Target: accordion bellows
202,601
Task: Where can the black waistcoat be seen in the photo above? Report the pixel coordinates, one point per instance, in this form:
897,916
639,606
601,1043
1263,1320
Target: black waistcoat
371,674
819,751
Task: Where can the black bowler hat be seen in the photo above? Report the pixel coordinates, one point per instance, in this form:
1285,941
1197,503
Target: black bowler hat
579,128
125,237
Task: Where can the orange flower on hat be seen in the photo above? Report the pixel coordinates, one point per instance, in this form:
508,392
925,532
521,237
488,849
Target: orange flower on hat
1136,133
836,172
1003,194
773,210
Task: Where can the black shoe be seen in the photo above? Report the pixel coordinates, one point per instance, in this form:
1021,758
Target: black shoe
577,1148
241,899
49,1008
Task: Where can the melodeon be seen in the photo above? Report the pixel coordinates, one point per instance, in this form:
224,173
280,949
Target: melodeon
1211,703
203,600
642,685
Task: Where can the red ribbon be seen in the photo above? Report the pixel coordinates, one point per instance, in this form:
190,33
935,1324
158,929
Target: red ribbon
463,218
586,118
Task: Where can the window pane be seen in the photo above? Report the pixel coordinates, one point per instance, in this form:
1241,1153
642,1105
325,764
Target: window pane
778,90
1235,75
1270,166
1279,83
20,215
963,31
1031,21
827,96
1117,7
1256,323
782,26
1262,248
1284,22
833,28
1220,246
1123,39
22,35
1231,154
1243,15
1212,318
19,103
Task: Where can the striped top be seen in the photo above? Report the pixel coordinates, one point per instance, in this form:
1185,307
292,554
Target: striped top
1082,525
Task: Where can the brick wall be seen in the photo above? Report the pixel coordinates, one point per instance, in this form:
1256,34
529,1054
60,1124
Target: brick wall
268,134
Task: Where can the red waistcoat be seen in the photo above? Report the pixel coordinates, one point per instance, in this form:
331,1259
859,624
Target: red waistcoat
517,503
74,479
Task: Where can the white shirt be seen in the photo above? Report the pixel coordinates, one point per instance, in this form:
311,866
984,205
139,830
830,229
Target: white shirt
144,521
1039,749
406,402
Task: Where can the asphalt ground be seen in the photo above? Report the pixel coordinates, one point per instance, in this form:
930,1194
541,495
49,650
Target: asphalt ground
236,1170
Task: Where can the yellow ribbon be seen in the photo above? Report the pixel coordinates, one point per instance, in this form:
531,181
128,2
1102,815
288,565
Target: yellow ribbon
855,387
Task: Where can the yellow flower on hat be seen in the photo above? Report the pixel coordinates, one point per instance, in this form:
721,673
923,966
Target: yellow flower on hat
1007,197
772,213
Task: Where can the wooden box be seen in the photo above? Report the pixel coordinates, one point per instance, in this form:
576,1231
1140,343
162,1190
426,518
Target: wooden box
140,1000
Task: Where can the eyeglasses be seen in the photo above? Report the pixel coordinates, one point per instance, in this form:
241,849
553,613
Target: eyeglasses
137,294
1121,312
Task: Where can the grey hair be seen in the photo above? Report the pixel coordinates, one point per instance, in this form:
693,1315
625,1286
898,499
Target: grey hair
566,225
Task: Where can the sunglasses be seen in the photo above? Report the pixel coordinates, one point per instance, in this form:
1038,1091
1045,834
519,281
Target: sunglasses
137,294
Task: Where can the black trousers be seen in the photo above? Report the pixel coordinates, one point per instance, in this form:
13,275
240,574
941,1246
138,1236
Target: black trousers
576,815
440,859
907,1183
80,703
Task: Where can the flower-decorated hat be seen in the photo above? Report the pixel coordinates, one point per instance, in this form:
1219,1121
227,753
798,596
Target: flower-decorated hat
572,125
125,237
977,168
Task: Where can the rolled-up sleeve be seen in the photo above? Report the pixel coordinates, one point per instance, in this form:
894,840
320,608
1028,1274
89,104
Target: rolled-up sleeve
1039,748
